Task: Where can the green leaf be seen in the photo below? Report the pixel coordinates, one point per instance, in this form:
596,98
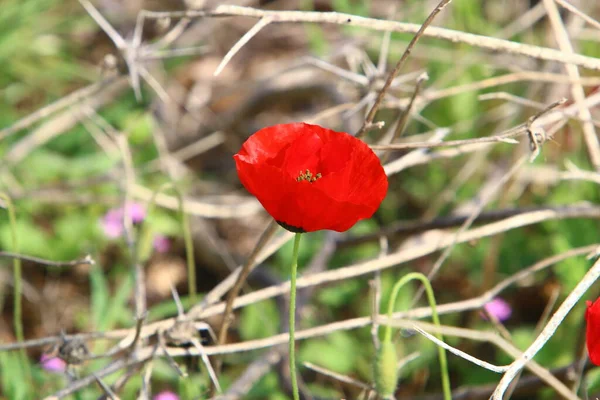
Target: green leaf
195,386
74,233
90,165
117,311
259,320
337,352
465,104
14,383
340,295
32,240
42,166
164,223
109,309
570,272
267,388
593,381
139,127
99,296
316,39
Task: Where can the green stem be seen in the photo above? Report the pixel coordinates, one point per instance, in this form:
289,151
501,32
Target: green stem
292,344
434,317
17,277
144,251
189,246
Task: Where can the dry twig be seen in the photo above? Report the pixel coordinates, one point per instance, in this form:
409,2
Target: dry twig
484,42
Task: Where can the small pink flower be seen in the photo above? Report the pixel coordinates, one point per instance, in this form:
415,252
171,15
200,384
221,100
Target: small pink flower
161,243
52,364
136,212
166,395
112,222
499,309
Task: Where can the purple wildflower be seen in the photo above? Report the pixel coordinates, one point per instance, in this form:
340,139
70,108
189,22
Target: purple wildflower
52,364
136,212
112,222
166,395
499,308
161,243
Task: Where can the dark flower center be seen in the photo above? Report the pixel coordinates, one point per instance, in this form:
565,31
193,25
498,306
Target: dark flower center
308,176
291,228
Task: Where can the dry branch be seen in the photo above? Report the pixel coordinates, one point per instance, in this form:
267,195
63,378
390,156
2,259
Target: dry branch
483,42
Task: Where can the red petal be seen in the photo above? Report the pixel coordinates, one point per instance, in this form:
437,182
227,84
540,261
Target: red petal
362,181
592,315
303,154
268,143
315,210
352,185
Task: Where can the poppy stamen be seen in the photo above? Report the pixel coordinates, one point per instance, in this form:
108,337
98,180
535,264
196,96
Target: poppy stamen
308,176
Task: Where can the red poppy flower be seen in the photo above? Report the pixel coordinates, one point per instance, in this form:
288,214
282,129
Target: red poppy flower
311,178
592,316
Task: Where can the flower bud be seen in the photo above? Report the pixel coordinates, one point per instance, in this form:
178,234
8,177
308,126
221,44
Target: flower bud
386,370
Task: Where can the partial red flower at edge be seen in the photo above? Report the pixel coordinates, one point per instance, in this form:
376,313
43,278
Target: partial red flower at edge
592,336
311,178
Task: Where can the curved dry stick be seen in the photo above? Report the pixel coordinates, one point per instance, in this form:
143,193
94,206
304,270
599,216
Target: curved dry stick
483,42
471,304
23,257
381,263
403,256
463,305
399,323
515,367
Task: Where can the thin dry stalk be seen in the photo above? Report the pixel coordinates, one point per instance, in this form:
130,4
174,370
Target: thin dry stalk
87,260
61,123
568,6
487,197
523,76
514,352
147,353
462,354
241,279
404,116
263,22
336,376
512,98
256,370
63,102
219,207
129,183
371,114
402,256
483,42
562,37
405,255
505,138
